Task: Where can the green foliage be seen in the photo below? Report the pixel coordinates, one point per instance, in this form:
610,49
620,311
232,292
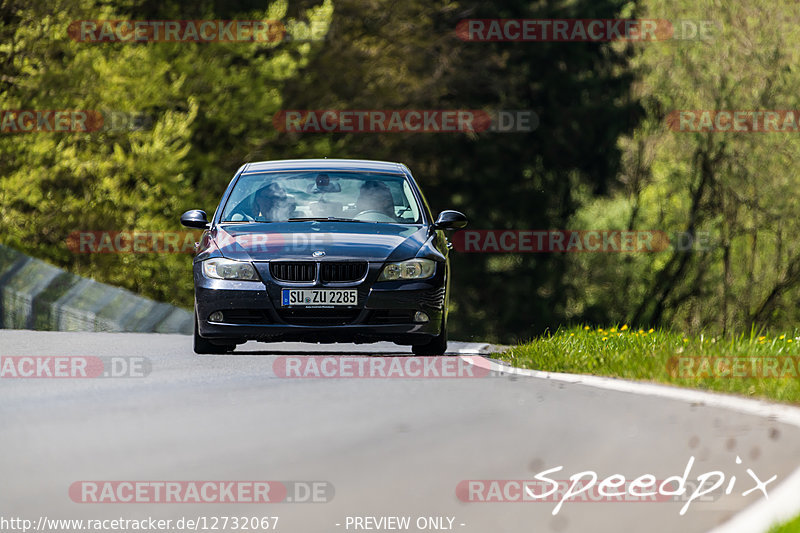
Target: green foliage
736,187
792,526
210,105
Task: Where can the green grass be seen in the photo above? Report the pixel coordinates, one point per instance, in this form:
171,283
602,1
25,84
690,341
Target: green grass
788,527
656,356
652,355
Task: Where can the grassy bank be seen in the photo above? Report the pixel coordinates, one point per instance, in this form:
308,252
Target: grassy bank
754,365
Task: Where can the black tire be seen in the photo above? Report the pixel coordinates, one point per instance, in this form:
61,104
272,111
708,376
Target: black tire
436,346
205,346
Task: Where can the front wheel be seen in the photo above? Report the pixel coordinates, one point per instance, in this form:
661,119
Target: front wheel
205,346
436,346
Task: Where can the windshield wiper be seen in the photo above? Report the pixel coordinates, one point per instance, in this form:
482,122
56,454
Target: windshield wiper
254,221
324,219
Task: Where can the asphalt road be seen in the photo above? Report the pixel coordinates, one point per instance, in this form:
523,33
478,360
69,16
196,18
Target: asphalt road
388,447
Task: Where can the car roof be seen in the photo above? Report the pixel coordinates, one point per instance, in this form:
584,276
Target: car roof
326,164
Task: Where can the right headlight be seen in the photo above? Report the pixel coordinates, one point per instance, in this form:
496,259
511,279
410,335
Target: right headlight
221,268
411,269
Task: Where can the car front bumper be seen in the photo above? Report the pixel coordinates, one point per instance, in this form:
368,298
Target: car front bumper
386,311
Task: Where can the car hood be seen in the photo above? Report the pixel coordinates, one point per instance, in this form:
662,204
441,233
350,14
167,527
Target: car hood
337,240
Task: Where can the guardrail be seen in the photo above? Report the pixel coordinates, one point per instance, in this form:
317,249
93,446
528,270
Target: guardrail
39,296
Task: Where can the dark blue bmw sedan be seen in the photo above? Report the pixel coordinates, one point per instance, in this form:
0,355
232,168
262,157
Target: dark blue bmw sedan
322,250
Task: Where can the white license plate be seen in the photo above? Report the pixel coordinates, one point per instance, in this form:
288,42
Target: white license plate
291,297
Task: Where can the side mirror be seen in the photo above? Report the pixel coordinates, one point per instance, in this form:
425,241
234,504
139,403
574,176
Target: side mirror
195,219
450,220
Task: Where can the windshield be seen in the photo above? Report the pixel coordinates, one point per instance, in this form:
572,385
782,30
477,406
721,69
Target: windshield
288,196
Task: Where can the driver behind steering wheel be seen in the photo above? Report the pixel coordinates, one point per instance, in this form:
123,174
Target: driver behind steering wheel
375,196
273,204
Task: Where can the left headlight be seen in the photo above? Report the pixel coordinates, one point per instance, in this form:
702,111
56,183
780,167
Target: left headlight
411,269
221,268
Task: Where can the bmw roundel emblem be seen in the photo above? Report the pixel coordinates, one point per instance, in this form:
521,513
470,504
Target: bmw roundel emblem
318,253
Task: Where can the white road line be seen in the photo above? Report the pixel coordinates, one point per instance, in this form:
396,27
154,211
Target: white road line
783,502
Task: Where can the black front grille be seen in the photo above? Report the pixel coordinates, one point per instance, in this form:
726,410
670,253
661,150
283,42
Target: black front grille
330,271
293,271
344,271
